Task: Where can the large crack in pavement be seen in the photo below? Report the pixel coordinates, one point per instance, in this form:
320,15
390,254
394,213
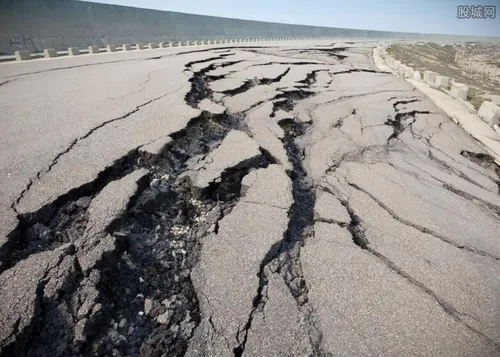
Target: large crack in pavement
199,80
359,238
44,232
401,121
284,256
150,289
61,221
138,295
423,229
120,284
254,82
55,160
311,78
484,160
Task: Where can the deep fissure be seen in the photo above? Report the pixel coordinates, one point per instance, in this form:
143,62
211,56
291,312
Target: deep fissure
401,121
284,256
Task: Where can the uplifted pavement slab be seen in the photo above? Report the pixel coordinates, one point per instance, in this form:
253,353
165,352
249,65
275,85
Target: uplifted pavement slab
470,294
245,101
343,214
470,122
378,312
212,107
267,132
106,208
23,288
237,250
280,329
107,144
236,148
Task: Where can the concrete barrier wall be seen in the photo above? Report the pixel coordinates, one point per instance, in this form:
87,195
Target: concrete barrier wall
34,25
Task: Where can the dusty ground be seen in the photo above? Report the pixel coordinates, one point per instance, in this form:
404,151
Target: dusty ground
441,59
252,201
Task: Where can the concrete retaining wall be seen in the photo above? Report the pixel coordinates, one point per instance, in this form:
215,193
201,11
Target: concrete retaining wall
34,25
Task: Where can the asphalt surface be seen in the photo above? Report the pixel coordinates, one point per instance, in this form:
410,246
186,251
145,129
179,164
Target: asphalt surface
263,200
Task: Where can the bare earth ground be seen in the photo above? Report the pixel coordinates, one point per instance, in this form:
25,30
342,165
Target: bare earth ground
247,201
441,59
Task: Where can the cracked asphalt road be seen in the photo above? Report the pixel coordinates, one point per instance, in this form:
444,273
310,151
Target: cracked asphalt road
249,201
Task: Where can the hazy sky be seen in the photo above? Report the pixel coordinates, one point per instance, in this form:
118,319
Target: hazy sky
427,16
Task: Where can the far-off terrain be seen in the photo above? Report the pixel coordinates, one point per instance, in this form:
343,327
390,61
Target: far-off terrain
474,64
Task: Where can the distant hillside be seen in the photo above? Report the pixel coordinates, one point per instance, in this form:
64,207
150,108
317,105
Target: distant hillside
38,24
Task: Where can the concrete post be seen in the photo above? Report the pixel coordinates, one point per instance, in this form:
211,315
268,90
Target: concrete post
490,113
125,47
163,45
139,46
179,44
111,48
73,51
187,43
209,42
442,81
93,49
22,55
417,76
430,77
170,44
402,69
195,43
459,90
409,72
49,53
151,46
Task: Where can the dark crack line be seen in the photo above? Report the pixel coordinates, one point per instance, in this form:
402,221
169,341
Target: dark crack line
360,70
447,307
200,80
428,140
267,81
77,140
459,192
243,48
453,170
252,83
7,81
470,197
300,63
311,78
241,89
399,102
300,226
210,59
340,122
423,229
399,124
346,97
72,67
359,238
